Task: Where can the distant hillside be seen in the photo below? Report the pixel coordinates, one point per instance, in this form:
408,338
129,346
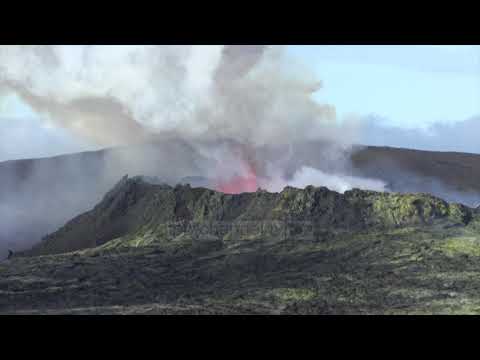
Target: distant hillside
451,175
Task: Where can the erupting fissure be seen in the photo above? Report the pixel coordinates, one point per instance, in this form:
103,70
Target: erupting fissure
240,183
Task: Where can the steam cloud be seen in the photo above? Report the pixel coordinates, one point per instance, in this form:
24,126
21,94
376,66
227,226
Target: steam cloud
117,95
307,176
216,111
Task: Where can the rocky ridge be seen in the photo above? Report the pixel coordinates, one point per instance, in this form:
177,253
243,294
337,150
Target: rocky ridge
151,248
156,212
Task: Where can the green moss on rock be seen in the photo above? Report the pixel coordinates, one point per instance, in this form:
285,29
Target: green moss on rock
461,246
143,214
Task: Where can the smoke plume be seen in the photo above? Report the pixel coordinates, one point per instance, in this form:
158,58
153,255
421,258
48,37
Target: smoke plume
118,95
228,113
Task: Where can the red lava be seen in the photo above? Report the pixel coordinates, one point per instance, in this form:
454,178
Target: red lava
240,183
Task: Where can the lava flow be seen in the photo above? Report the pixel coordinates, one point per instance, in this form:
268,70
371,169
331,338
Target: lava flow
240,183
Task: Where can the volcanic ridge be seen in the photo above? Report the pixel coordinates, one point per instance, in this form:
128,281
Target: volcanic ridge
148,247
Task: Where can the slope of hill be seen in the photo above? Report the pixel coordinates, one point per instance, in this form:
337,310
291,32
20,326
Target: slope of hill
453,176
157,249
147,212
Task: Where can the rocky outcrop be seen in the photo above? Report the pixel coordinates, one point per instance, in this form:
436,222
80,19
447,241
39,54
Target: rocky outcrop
69,185
139,212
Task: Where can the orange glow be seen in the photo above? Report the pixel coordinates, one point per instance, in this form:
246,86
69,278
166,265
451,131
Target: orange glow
240,183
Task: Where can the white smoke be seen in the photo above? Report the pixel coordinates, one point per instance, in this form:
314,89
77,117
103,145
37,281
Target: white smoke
206,110
310,176
116,95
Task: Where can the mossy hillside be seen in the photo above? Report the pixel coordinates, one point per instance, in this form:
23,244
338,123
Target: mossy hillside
466,245
401,270
360,253
421,268
148,213
393,209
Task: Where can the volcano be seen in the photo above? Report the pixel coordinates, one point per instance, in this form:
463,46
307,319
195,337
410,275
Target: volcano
71,184
157,249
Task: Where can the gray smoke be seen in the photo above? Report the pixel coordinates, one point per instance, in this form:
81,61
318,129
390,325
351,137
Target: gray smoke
119,95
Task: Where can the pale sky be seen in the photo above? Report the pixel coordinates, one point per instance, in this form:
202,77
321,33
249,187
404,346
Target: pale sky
408,86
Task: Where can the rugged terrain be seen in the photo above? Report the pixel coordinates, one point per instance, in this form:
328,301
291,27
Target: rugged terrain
71,184
156,249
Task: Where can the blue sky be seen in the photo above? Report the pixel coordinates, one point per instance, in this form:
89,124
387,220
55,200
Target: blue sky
407,86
